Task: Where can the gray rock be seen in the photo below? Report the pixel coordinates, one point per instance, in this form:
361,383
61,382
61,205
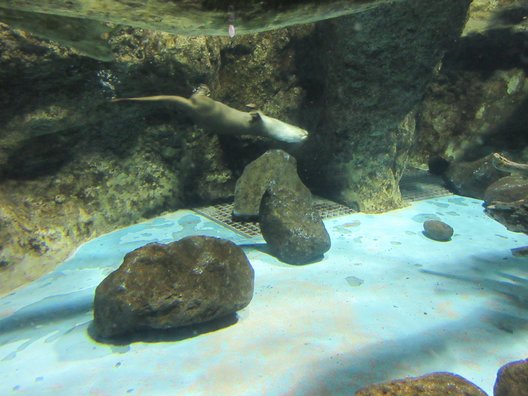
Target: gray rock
273,167
292,227
435,384
190,281
437,230
512,379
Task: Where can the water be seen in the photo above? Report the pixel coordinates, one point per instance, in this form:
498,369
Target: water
385,95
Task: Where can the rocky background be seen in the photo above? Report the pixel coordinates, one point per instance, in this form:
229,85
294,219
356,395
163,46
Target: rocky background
377,90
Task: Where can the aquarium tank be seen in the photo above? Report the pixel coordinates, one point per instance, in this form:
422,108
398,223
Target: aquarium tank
264,198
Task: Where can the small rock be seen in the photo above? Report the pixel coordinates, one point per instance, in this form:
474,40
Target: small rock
435,384
437,230
512,379
190,281
274,166
292,227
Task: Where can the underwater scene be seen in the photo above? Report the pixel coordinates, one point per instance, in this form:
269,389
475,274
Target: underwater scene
270,197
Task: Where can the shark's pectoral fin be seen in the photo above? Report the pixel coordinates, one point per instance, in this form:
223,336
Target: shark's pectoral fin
255,116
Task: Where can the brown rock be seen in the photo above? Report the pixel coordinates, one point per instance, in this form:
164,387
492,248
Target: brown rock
435,384
274,166
507,189
512,379
292,227
472,178
438,230
513,215
190,281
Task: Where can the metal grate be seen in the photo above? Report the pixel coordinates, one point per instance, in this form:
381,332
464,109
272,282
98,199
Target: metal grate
415,185
221,214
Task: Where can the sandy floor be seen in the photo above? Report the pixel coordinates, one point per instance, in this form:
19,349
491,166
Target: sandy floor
384,303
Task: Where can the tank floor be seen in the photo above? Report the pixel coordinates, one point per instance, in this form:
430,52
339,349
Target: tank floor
386,302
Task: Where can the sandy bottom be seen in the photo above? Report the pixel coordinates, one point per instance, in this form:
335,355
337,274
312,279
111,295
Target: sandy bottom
386,302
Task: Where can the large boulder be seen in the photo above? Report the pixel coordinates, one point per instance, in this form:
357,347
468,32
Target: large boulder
191,281
274,167
292,227
436,384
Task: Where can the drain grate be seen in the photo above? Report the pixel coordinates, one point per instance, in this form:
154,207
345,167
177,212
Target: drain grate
221,214
415,185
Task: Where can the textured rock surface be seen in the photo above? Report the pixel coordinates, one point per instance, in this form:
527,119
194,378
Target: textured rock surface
472,178
493,14
477,102
513,215
507,189
375,67
438,230
512,379
292,227
436,384
186,282
274,167
72,165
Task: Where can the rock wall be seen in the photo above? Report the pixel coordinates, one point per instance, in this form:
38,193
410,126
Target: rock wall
73,165
478,101
370,72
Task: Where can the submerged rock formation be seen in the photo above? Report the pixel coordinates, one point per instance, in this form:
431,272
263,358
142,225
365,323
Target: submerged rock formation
373,70
477,102
72,166
507,189
513,215
190,281
472,178
291,225
274,167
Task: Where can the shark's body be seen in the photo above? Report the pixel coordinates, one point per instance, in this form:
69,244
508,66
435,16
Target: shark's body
217,117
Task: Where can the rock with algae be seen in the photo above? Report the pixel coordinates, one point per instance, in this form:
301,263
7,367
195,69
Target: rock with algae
190,281
274,167
292,226
374,69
